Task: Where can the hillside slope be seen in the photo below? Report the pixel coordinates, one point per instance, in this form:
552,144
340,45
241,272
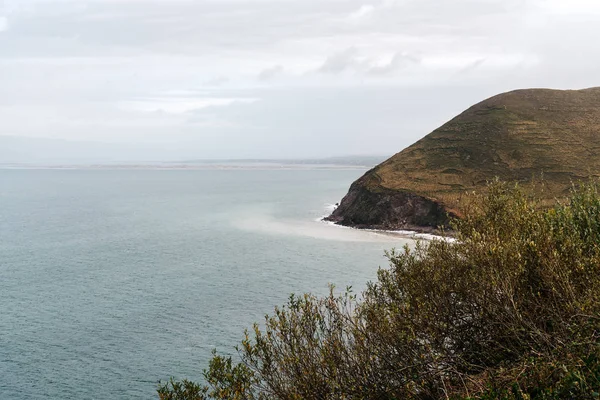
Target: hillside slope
523,135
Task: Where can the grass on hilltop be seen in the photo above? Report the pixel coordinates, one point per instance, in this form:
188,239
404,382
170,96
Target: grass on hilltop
519,136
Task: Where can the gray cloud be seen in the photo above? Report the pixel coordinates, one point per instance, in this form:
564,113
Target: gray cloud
342,61
216,82
270,73
398,62
351,60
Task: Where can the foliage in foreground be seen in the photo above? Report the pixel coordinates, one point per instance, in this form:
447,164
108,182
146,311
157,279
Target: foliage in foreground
510,310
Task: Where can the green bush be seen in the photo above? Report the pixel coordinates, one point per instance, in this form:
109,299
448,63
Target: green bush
509,310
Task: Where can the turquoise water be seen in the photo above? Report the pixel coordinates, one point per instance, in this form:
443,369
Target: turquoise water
113,280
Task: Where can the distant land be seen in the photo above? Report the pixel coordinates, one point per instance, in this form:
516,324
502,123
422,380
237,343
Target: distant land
527,136
357,162
361,161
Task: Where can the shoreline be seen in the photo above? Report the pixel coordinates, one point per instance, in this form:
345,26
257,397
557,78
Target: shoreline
416,234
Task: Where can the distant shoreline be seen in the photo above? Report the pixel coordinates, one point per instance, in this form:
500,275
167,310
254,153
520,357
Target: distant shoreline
192,167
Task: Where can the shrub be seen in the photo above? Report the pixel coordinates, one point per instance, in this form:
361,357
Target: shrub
510,309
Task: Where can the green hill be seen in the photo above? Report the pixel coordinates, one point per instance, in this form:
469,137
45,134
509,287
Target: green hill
523,135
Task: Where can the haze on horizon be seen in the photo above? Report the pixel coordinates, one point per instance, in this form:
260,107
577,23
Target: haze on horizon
183,79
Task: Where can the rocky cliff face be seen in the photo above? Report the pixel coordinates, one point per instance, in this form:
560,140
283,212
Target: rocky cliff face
523,136
389,209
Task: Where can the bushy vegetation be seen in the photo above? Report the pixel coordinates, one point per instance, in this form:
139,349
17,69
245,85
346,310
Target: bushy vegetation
509,310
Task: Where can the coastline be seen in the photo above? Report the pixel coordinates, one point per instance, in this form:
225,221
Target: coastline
183,167
414,234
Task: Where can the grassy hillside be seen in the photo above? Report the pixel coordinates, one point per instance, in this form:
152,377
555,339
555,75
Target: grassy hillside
515,136
525,136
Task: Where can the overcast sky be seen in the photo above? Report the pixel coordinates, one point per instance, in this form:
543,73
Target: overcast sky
277,78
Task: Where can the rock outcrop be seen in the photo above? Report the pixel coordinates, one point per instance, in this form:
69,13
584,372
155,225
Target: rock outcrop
388,209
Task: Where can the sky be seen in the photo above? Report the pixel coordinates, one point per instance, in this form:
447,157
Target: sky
192,79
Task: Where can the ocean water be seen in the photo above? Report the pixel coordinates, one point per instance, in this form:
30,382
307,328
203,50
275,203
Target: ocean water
111,280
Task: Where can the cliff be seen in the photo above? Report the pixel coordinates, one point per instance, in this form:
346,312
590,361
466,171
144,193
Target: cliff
523,136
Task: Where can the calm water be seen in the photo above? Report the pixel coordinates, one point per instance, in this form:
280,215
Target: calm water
113,280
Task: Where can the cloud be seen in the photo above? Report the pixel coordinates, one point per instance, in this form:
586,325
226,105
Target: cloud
270,73
398,62
340,62
572,7
492,61
350,60
363,12
180,105
217,81
3,24
472,66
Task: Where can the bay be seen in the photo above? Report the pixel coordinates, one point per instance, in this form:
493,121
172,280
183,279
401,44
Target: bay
111,280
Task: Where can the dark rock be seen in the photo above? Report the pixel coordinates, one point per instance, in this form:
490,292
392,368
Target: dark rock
388,209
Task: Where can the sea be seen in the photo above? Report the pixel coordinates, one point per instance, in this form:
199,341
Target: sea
112,280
